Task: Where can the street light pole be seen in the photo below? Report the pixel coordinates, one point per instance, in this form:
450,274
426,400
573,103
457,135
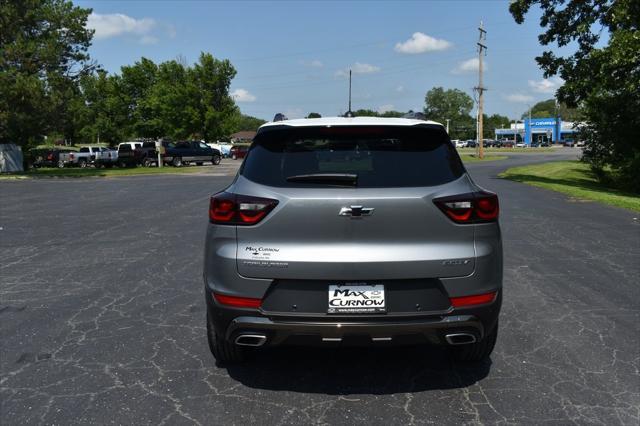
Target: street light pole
448,125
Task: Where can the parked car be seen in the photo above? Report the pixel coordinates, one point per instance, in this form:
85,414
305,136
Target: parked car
133,145
580,144
46,157
471,143
238,151
403,248
127,156
223,147
458,143
539,144
147,153
88,155
182,153
507,143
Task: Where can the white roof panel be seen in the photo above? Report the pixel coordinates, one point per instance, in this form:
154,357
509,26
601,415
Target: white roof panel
349,121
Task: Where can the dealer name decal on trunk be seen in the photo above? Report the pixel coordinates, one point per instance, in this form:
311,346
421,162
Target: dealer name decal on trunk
262,257
265,264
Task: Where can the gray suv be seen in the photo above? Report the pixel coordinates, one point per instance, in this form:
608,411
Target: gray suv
353,231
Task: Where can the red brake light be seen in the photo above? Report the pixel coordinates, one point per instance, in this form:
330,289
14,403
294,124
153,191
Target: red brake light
479,299
237,302
478,207
234,209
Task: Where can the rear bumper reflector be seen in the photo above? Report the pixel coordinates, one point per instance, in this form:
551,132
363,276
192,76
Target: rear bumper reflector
478,299
237,302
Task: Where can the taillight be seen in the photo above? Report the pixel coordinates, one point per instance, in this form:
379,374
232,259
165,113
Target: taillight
477,207
237,302
478,299
233,209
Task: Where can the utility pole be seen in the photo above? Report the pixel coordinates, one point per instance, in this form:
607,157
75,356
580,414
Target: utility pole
349,90
481,48
530,135
448,125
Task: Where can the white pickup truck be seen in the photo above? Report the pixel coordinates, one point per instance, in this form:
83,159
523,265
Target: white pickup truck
89,155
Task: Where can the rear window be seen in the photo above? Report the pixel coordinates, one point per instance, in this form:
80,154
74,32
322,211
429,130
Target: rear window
380,156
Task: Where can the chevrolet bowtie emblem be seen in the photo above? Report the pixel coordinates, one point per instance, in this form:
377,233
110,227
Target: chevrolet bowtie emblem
356,211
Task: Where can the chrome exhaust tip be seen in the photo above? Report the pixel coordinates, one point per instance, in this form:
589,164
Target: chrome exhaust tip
251,340
460,338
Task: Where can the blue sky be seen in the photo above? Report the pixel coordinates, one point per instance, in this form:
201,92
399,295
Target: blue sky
291,56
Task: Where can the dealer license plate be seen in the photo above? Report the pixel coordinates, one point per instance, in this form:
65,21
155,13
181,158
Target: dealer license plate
357,298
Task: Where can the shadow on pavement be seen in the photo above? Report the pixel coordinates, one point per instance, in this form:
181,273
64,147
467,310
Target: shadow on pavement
346,371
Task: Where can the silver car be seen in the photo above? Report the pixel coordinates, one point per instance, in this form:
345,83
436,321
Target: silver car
353,231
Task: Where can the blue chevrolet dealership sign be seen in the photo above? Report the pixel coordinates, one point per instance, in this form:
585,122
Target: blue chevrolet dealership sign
541,126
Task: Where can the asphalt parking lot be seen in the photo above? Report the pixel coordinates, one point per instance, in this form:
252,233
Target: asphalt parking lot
102,319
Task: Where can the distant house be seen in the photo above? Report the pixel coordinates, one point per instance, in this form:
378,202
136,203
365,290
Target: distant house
245,136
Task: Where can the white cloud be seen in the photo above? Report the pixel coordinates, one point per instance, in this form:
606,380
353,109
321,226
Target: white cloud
148,39
242,95
470,65
384,108
518,98
421,43
358,68
117,24
400,89
546,85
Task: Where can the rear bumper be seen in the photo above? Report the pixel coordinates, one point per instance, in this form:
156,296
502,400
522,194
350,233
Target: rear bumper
354,330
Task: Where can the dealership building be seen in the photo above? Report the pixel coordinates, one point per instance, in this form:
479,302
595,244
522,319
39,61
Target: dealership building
540,130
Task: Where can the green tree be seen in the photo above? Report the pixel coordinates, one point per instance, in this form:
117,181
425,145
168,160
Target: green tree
103,115
392,114
366,113
542,109
492,122
248,123
453,105
314,115
601,77
216,110
135,86
44,47
549,108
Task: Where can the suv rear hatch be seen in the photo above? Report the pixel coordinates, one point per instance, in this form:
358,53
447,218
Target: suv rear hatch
353,203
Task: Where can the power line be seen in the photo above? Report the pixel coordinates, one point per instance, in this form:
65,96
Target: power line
480,88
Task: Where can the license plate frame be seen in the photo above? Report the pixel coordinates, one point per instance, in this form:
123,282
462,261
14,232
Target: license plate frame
356,298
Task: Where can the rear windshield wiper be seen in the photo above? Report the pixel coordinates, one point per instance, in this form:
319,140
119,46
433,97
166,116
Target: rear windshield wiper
341,179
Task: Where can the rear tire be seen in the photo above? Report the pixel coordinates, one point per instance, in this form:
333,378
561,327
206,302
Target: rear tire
476,352
177,162
215,160
61,164
82,164
225,352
